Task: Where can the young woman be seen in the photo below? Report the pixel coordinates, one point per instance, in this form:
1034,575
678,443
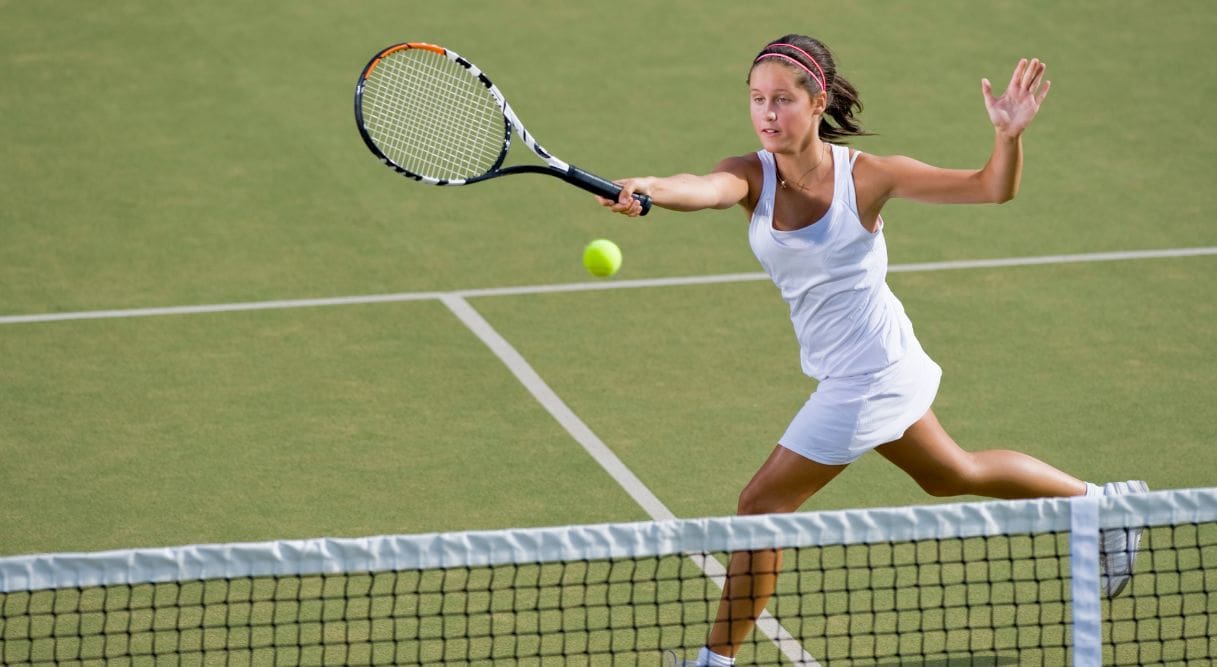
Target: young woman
815,225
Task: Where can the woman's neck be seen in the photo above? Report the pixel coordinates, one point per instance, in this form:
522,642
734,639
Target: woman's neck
799,171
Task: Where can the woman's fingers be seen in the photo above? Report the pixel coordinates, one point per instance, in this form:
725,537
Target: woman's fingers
1031,75
1016,76
631,207
1039,99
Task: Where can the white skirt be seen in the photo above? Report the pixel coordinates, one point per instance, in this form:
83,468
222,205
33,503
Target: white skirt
846,417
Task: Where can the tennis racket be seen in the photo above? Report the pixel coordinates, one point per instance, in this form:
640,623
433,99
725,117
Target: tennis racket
433,116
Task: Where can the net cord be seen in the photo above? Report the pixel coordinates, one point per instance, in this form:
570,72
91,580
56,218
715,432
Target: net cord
592,542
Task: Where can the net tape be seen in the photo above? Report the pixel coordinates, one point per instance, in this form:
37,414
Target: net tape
592,542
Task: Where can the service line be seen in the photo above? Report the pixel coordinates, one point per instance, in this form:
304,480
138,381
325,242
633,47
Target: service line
586,286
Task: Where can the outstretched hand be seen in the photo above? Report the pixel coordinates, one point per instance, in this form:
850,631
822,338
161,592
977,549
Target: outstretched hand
1016,108
625,202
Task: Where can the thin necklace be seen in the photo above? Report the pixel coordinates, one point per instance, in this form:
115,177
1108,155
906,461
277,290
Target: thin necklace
785,186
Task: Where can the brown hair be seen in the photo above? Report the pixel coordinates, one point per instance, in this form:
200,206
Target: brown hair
814,64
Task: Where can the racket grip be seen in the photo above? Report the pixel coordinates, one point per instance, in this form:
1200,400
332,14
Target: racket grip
599,186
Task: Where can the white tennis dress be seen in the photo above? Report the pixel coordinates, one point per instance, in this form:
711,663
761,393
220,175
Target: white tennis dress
854,337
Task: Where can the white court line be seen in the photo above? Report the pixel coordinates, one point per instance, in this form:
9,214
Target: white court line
614,466
1053,259
587,286
532,381
221,307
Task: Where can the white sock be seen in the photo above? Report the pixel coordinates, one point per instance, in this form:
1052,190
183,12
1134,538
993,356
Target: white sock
709,658
1093,490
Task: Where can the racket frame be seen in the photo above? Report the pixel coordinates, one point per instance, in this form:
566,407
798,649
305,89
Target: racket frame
553,165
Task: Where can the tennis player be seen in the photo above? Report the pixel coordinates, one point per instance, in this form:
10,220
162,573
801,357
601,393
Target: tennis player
816,226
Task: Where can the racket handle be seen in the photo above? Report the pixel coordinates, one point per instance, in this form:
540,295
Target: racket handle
599,186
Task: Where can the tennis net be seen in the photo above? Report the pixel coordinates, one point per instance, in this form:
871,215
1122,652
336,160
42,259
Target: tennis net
993,583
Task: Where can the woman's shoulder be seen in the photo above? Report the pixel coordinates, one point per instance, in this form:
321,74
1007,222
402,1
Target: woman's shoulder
739,164
747,167
875,160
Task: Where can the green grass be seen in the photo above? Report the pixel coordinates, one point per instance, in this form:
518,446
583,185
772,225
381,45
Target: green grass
343,422
175,153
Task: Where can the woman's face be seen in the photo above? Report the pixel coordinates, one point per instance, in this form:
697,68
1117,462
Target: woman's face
784,116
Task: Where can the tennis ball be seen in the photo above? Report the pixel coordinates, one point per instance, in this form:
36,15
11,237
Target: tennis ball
602,258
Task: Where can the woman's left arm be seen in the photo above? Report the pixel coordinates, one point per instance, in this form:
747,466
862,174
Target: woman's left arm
882,178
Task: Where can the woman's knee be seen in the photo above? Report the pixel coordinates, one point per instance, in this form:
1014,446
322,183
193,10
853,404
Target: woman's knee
757,498
784,482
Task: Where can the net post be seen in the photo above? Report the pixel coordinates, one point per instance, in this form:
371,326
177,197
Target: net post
1084,573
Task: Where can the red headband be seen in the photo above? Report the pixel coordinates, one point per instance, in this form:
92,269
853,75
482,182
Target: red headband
820,80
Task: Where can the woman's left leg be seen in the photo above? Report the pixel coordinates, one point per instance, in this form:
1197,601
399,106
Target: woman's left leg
928,454
784,482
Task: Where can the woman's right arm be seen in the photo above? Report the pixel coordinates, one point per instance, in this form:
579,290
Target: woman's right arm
724,187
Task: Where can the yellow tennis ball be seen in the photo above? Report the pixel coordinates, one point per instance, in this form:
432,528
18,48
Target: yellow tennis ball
602,258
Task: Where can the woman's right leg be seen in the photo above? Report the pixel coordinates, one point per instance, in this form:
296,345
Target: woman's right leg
930,456
784,482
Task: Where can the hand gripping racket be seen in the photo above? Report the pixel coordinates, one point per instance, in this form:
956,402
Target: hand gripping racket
433,116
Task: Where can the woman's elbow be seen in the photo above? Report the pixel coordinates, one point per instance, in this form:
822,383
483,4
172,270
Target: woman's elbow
1002,194
995,188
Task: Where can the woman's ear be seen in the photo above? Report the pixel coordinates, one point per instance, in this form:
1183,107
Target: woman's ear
819,103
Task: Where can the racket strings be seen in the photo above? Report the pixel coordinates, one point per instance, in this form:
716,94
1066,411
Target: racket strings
422,112
431,117
414,126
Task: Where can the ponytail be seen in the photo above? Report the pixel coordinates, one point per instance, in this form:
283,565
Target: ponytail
843,102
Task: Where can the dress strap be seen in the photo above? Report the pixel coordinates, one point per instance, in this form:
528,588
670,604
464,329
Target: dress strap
769,186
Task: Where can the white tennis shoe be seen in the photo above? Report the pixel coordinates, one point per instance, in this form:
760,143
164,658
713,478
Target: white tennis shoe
1119,547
